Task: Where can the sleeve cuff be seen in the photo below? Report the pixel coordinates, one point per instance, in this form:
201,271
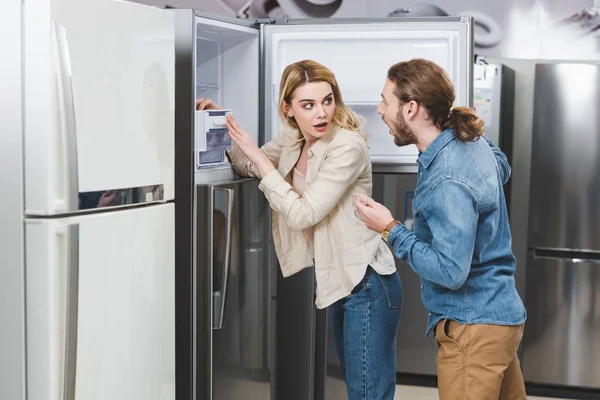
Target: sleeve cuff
398,234
238,160
270,181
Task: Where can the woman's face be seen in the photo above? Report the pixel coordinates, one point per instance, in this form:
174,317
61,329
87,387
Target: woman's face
312,106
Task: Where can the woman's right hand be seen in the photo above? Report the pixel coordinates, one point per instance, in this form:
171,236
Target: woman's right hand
207,104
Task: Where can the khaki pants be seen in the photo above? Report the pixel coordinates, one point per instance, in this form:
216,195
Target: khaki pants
479,362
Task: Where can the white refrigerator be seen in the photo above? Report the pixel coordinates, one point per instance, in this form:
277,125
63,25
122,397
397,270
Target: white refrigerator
231,297
96,271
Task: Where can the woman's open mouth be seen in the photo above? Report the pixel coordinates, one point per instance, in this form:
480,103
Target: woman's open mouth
321,127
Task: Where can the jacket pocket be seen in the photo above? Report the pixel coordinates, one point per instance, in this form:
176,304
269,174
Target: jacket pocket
392,288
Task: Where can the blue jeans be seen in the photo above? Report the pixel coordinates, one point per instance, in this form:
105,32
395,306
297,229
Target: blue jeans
365,324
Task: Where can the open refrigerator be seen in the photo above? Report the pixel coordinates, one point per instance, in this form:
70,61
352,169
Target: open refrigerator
242,330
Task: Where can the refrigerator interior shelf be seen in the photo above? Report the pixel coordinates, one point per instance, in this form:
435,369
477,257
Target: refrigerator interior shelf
207,85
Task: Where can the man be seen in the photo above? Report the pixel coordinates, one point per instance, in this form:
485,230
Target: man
461,245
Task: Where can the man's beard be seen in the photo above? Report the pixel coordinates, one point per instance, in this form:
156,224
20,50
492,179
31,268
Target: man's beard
402,134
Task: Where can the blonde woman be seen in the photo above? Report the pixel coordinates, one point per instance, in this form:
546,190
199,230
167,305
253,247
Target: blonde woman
311,175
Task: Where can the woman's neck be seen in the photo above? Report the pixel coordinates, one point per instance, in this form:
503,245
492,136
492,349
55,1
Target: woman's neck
309,144
309,141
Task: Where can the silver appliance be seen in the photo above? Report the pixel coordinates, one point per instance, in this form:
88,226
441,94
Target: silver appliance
234,299
87,269
562,334
494,102
243,331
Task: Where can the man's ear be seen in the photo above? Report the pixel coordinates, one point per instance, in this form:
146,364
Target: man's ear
411,109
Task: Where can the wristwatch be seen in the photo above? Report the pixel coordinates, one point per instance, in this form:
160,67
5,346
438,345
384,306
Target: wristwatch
386,231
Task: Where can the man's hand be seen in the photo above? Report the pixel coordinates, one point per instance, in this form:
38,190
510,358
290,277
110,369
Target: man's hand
375,216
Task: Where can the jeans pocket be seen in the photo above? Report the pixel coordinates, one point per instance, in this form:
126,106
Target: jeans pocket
392,288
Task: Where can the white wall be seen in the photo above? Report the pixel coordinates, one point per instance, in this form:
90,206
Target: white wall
12,331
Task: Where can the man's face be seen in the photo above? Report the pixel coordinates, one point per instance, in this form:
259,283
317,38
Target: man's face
391,112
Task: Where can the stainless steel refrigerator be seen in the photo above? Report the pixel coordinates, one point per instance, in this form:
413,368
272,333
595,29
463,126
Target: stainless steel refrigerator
562,334
244,332
88,187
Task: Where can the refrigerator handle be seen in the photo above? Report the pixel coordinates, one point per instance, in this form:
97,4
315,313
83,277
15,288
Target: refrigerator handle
573,257
71,315
223,197
67,117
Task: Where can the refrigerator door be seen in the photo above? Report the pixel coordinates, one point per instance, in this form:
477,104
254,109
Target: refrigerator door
100,306
12,277
219,59
561,345
232,291
216,58
565,184
359,52
99,83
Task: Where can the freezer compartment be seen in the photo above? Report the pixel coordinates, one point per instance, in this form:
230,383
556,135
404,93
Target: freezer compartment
366,49
561,343
234,335
100,306
565,184
98,103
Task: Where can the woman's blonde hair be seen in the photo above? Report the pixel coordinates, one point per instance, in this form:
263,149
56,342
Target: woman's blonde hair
307,71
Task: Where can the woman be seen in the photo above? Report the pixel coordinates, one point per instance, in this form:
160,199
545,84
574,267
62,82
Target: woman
311,175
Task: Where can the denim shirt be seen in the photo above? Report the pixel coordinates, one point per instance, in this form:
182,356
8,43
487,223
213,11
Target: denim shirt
461,244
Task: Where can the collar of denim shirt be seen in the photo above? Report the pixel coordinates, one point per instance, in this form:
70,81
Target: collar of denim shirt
427,157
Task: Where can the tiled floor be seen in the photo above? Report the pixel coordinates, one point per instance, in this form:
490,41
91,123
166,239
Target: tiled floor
336,391
421,393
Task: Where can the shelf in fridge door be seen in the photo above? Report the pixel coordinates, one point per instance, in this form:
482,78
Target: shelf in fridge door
359,52
99,103
100,305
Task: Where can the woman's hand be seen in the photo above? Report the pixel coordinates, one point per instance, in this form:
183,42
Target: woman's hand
375,216
245,143
207,104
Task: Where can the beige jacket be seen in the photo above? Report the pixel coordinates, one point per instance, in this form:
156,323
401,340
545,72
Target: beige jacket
339,169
